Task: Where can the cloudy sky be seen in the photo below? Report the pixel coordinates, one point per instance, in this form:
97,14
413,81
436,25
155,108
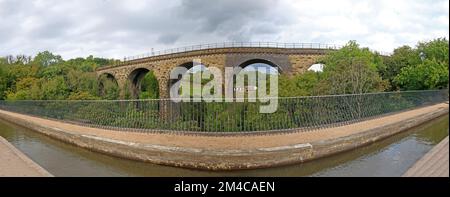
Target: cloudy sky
113,28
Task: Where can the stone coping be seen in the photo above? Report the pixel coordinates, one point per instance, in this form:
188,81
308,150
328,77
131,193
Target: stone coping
14,163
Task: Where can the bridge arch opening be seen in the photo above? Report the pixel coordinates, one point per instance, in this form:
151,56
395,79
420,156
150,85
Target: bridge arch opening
108,87
257,67
143,84
257,64
193,70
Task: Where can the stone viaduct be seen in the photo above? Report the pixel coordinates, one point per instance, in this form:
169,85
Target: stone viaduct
288,60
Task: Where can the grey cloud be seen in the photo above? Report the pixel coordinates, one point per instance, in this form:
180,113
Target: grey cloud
230,18
119,28
157,25
52,29
168,38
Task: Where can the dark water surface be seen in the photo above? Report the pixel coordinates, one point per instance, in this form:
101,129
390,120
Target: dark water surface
389,157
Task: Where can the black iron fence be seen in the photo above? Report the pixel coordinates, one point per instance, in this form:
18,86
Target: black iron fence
164,115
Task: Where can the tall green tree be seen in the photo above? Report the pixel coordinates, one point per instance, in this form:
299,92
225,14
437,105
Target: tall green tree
352,70
47,59
404,56
431,72
54,89
428,75
26,88
436,49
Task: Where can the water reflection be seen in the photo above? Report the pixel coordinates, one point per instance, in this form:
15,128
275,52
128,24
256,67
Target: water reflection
390,157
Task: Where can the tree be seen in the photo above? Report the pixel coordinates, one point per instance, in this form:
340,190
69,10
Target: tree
109,89
436,49
18,59
27,88
3,84
299,85
47,59
430,71
428,75
52,71
54,89
351,70
48,76
149,87
404,56
79,81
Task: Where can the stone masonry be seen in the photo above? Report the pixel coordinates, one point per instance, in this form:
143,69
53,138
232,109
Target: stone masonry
288,61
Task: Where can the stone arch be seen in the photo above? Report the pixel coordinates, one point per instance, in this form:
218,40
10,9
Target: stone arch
231,79
188,65
101,84
262,61
281,61
108,76
134,80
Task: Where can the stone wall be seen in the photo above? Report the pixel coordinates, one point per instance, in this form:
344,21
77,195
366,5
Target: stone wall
289,61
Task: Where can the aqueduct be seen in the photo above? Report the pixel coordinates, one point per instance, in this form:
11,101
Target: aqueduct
288,58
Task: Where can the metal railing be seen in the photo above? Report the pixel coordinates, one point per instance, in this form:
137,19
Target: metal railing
164,115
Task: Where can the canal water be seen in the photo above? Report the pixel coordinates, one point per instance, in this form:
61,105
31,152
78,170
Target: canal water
389,157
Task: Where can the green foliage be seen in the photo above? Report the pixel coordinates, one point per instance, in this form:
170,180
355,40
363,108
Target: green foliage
109,89
83,95
80,81
428,75
149,87
404,56
52,71
427,69
435,50
3,83
349,70
299,85
48,76
47,59
353,70
27,89
128,90
54,89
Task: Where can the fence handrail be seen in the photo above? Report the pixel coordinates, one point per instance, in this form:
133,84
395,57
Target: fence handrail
293,114
211,99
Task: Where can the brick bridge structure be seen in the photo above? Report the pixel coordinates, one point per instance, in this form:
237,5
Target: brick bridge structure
287,58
